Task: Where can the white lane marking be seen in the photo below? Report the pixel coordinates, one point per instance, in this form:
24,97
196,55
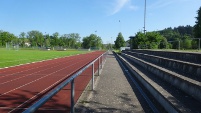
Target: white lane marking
42,109
39,78
42,91
40,61
30,74
35,68
35,96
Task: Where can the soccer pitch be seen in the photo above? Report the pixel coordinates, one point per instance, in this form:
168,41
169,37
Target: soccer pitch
12,57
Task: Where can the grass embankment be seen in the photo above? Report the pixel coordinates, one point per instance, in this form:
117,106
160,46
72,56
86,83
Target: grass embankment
13,57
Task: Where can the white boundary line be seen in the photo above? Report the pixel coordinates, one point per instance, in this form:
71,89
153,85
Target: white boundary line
42,109
31,68
36,80
30,73
39,61
46,88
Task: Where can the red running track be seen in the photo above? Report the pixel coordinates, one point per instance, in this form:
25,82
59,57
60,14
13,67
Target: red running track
20,86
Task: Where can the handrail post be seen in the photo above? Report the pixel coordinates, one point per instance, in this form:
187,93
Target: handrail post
98,66
92,76
72,96
102,62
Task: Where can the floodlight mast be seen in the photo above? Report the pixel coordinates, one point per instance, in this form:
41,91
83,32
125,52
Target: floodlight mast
145,17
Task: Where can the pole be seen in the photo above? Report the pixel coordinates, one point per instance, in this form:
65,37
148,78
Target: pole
92,76
98,66
145,17
199,44
119,26
101,62
72,97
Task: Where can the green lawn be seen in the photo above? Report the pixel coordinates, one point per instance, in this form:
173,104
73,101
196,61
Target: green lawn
13,57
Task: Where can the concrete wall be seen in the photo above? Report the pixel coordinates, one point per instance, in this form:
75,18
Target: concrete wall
184,56
168,105
191,87
190,68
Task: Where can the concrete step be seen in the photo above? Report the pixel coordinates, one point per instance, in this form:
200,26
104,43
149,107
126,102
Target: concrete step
190,70
187,85
183,56
168,101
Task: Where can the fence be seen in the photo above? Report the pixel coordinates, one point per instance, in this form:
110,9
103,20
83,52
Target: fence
48,96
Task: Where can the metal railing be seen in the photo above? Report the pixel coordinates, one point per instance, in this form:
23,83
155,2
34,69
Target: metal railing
48,96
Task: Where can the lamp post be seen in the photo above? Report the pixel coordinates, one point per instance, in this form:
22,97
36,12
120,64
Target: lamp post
96,40
119,25
95,32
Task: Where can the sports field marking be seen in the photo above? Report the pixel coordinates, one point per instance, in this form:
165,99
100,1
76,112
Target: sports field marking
41,109
38,79
45,88
31,82
35,96
10,58
50,77
29,69
31,73
33,63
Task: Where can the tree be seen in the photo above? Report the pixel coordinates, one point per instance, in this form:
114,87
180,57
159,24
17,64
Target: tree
186,42
36,38
6,37
139,41
92,41
153,40
86,42
1,39
197,27
22,38
164,44
150,40
71,40
119,42
47,40
54,39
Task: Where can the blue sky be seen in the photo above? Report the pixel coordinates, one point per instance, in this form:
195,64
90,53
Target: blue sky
87,16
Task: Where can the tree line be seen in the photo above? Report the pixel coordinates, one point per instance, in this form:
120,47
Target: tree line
36,38
181,37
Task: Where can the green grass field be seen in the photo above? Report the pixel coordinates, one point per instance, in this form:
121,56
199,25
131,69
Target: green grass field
13,57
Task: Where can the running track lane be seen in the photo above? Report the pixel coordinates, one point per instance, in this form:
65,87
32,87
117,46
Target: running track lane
21,85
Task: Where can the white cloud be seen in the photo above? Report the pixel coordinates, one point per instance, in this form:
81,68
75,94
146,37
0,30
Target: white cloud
119,4
132,7
164,3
